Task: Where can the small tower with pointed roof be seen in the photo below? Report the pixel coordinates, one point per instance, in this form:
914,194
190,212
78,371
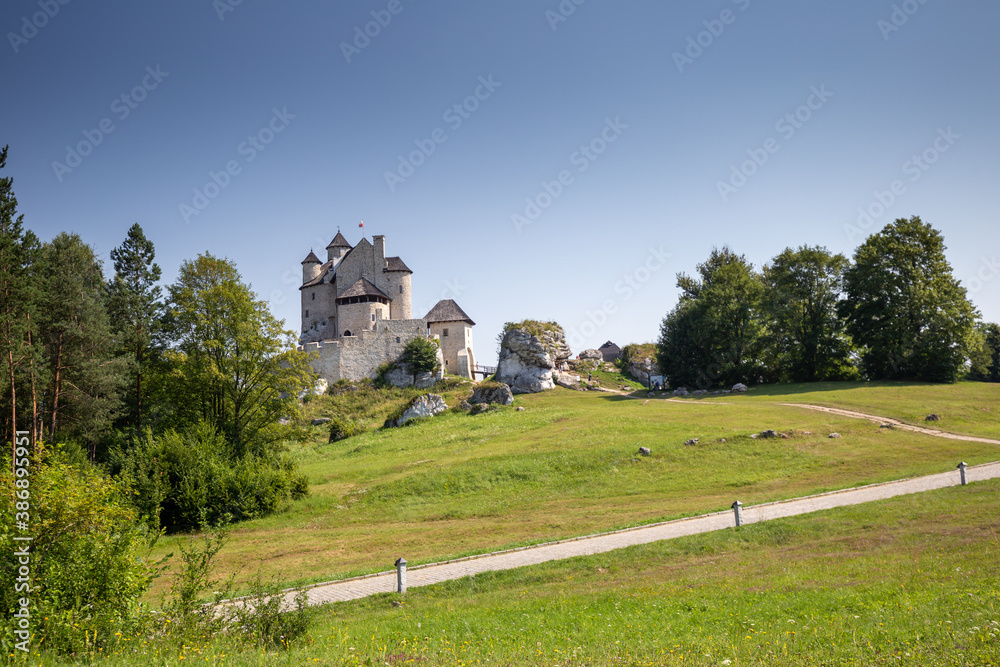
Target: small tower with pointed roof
453,327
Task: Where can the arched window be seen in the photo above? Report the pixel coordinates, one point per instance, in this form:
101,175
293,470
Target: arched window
348,333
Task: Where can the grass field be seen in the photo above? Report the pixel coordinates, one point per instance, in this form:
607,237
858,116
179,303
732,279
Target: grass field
908,581
567,466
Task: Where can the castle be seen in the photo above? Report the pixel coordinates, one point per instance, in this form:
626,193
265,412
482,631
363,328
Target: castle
356,313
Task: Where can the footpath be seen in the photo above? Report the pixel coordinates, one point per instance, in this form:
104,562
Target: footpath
433,573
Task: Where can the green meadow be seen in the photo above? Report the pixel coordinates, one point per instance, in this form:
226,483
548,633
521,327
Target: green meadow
908,581
567,465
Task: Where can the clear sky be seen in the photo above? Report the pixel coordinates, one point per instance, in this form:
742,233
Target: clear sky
597,149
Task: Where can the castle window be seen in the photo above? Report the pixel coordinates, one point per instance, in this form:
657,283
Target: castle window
373,317
314,296
397,339
348,333
400,289
445,334
307,313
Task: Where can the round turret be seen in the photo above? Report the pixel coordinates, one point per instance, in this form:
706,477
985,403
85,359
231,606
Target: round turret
310,267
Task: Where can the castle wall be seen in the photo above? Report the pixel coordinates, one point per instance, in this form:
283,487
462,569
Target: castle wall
359,357
457,343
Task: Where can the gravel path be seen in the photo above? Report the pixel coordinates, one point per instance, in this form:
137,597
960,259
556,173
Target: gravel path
895,423
426,575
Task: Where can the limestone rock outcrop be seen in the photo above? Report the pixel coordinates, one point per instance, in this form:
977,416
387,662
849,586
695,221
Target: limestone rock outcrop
497,394
592,354
525,363
421,407
642,369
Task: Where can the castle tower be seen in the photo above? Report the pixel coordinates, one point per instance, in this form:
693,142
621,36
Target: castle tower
453,327
310,267
337,249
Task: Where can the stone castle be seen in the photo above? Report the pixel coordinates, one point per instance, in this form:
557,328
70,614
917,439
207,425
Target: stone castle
356,313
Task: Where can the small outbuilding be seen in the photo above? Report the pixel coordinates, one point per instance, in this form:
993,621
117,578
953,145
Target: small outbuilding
610,351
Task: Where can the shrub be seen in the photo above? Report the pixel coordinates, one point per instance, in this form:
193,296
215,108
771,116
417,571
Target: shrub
420,354
86,559
261,620
342,428
181,479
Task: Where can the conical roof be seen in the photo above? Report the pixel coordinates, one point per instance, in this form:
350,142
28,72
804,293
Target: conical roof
363,287
339,242
447,310
311,258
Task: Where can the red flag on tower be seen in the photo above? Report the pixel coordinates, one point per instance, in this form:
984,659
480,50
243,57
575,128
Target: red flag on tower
361,224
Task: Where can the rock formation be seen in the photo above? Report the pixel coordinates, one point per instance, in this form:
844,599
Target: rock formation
527,360
499,394
421,407
642,369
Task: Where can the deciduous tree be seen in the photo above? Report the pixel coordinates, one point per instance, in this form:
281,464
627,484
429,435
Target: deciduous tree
714,334
806,336
904,308
234,363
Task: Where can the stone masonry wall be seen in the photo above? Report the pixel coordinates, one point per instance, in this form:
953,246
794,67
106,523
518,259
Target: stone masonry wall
359,357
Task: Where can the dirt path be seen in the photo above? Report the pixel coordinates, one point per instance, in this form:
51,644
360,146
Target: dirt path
895,423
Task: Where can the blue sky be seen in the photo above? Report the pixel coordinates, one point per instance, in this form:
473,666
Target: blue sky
597,149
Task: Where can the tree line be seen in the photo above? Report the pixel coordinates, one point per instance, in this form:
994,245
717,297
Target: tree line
178,393
893,312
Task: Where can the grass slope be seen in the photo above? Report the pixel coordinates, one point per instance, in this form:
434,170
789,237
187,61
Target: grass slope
567,466
908,581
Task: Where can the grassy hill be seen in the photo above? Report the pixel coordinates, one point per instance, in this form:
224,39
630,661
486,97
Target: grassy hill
567,465
907,581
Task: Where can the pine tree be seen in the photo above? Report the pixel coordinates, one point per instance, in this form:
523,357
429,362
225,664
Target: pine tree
85,375
17,248
134,308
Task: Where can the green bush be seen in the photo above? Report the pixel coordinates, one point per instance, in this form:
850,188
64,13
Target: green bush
181,479
420,354
87,571
262,621
342,428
